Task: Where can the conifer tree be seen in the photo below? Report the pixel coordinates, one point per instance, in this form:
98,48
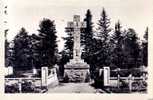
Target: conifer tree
87,42
87,36
103,37
117,52
131,50
68,46
34,49
48,43
22,51
6,53
145,48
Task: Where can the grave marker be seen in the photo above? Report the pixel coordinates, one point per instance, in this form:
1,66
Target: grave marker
44,75
34,71
106,76
10,70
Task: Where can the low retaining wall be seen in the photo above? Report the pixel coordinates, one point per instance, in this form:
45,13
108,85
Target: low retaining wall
52,81
35,81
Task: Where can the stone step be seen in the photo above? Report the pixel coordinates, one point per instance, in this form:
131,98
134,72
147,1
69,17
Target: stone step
76,65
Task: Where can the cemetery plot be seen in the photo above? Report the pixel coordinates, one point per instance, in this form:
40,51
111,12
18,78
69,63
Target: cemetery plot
121,84
31,83
22,85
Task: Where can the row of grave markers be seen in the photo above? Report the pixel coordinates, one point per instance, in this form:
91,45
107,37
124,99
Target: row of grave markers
107,78
46,79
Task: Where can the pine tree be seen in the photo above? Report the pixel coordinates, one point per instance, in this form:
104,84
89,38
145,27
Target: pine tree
22,51
117,52
145,48
87,42
103,40
131,50
87,36
104,27
68,46
6,53
48,45
34,50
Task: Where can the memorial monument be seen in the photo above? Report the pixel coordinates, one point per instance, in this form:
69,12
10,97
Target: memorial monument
76,70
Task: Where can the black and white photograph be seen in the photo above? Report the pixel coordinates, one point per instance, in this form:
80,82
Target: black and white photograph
77,46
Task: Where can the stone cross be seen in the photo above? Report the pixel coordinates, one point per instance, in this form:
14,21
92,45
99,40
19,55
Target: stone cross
76,25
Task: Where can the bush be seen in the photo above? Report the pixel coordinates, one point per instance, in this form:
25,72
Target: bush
98,83
87,77
27,87
66,79
139,86
123,84
14,88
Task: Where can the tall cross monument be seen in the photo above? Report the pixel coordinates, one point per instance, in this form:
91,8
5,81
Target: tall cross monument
76,70
76,25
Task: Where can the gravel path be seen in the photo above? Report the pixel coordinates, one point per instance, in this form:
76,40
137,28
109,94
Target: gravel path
73,88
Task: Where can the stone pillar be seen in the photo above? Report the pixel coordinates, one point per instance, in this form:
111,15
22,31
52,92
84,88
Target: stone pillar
100,72
118,81
34,71
20,85
106,76
10,70
44,75
130,82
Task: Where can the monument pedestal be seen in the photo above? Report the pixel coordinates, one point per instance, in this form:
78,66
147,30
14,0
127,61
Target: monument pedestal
76,71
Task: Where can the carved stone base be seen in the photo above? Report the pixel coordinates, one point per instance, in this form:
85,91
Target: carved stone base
76,71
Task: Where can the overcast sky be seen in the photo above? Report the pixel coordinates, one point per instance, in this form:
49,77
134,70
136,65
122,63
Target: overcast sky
27,13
